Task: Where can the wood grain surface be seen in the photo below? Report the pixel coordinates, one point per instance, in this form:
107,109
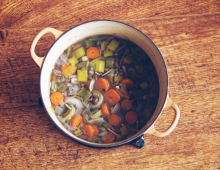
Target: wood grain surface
187,34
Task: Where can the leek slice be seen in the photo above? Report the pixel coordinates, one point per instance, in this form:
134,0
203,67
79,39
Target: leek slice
78,132
62,87
73,60
79,52
113,45
108,53
82,75
94,62
104,45
100,66
69,113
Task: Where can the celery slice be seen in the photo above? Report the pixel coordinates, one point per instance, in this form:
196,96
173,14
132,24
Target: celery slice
118,78
69,49
72,69
82,92
79,52
108,53
94,62
110,62
82,75
113,45
66,72
62,87
73,60
128,59
69,113
87,96
104,45
88,43
78,132
100,66
124,130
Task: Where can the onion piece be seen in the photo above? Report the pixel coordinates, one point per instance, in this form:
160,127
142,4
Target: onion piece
74,101
97,122
101,100
78,111
57,72
103,133
63,58
116,109
58,110
61,119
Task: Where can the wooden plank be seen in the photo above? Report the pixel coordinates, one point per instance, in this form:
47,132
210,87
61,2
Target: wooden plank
29,14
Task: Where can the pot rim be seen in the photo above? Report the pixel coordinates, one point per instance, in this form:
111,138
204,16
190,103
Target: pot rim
96,145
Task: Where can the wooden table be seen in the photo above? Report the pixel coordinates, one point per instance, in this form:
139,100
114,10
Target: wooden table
187,34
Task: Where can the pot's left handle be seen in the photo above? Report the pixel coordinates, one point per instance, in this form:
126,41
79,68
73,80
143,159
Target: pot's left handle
56,33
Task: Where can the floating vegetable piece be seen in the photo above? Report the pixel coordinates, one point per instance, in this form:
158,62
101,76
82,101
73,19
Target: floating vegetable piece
78,132
76,120
56,98
100,99
90,84
66,72
124,130
98,122
108,137
96,130
96,115
113,45
69,49
82,92
112,97
128,59
69,113
105,109
72,69
108,53
144,85
73,60
114,119
79,52
76,46
102,84
100,66
92,52
107,125
88,130
87,96
126,104
53,86
62,87
128,82
110,62
88,43
116,109
118,78
94,62
131,117
104,45
64,66
82,64
94,139
82,75
85,58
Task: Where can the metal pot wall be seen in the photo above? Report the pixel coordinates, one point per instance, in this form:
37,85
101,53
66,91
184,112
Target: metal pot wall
121,30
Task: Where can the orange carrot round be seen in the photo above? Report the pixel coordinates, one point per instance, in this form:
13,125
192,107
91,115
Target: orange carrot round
131,117
89,130
92,52
114,119
126,104
108,137
102,84
128,82
76,120
105,109
56,98
112,96
96,130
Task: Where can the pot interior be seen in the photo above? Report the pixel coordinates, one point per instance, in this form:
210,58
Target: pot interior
93,28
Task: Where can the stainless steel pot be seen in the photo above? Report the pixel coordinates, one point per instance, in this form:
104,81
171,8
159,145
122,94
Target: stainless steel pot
121,30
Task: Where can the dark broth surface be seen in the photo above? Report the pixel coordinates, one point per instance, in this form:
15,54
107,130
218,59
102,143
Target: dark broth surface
104,89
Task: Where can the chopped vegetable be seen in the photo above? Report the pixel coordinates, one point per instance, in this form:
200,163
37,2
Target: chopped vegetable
79,52
102,84
88,130
118,78
66,72
82,64
82,75
96,130
126,104
96,93
72,69
94,62
114,119
112,96
73,60
85,58
82,92
108,53
76,120
104,45
96,115
108,137
113,45
128,82
76,46
64,66
128,59
131,117
56,98
110,62
92,52
54,78
62,87
69,113
144,85
100,66
124,130
53,86
107,125
94,139
69,49
78,132
105,109
88,43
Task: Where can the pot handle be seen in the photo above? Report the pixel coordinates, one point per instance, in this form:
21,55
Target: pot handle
56,33
154,132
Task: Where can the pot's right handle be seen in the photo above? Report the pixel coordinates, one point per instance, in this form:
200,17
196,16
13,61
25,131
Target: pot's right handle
154,132
56,33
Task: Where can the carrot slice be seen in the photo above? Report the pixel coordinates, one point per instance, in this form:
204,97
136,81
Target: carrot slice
64,66
54,77
105,109
56,98
96,130
112,97
131,117
126,104
108,137
89,130
128,82
92,52
114,119
102,84
76,120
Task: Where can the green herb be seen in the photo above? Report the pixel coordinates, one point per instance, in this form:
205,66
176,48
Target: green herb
69,113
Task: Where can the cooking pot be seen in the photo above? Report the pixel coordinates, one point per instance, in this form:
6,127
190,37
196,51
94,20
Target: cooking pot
118,29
